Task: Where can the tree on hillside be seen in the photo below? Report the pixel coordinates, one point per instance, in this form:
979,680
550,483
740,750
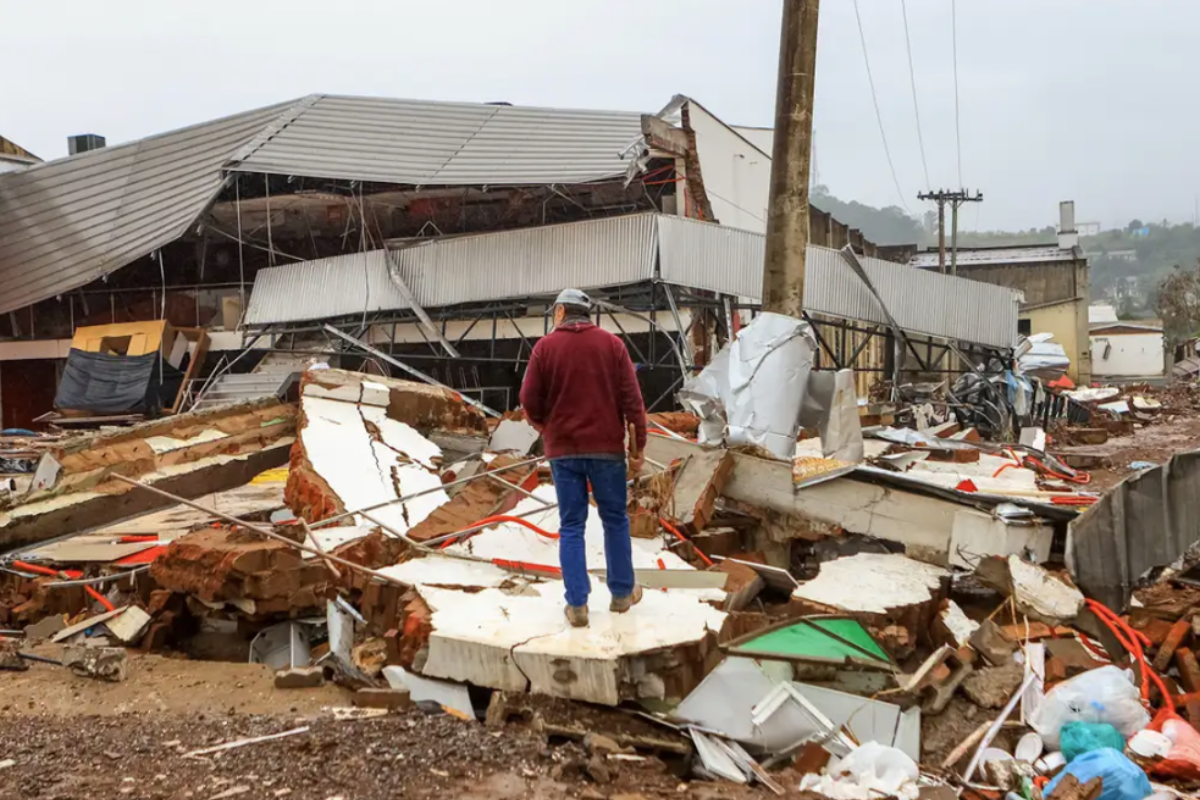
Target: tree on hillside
1179,306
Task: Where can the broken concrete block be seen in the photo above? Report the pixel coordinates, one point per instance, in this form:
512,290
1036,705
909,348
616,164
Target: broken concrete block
954,626
104,663
300,678
991,643
390,699
1039,593
10,658
698,484
993,687
900,606
43,629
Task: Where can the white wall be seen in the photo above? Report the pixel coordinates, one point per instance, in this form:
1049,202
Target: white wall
737,175
1130,355
762,138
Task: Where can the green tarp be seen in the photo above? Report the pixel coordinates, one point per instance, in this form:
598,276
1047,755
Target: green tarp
818,638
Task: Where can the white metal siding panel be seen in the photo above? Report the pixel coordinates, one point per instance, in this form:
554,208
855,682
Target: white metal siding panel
530,262
68,222
429,143
358,283
720,259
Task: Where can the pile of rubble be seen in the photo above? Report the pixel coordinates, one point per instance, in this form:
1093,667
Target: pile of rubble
817,622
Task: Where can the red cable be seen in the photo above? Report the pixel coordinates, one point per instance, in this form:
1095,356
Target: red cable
1134,645
99,598
683,538
502,518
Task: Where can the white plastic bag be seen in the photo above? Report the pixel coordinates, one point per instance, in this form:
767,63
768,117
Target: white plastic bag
1107,694
872,770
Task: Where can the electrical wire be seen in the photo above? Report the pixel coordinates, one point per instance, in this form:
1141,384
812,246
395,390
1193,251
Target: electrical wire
954,51
878,115
912,77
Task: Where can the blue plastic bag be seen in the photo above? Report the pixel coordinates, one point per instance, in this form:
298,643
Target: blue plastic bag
1078,738
1123,779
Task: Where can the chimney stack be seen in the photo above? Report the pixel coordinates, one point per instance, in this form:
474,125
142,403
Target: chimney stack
84,142
1068,237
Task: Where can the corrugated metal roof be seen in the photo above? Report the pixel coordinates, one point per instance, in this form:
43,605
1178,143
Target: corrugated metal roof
621,250
431,143
726,260
358,283
530,262
1003,255
67,222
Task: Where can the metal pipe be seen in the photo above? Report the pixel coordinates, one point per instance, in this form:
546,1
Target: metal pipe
422,493
94,581
264,531
520,489
410,370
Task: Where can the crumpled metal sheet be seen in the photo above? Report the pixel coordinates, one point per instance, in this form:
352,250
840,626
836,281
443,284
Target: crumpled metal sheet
1149,520
760,381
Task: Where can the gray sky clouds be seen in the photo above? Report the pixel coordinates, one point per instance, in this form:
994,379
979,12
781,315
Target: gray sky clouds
1059,99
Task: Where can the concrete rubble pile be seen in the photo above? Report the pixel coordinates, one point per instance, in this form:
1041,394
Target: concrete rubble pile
855,627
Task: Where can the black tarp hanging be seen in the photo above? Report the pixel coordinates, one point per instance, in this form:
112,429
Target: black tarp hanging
102,383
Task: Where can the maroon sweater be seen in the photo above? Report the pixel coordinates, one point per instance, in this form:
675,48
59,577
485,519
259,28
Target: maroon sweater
580,388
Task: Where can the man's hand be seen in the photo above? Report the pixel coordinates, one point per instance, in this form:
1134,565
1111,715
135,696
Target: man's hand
636,462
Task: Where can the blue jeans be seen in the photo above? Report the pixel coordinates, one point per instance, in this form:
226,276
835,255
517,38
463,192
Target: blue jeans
571,477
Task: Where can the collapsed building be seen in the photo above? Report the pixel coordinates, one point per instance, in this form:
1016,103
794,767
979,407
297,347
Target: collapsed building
339,482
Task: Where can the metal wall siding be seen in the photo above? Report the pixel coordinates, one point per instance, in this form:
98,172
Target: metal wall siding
66,223
428,143
531,262
1148,521
730,261
330,287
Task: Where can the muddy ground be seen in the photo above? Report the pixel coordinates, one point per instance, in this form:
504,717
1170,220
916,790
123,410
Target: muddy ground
1153,443
71,737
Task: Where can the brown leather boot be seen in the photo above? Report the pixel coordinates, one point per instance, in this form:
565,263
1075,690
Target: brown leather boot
620,605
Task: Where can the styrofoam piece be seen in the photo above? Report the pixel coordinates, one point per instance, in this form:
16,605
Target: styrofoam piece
895,581
363,471
958,623
445,693
516,542
513,436
1050,763
519,641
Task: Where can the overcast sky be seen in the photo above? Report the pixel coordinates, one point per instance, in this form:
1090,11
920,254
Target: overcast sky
1070,99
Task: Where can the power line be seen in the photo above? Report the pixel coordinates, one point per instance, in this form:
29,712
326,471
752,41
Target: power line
954,50
912,75
878,116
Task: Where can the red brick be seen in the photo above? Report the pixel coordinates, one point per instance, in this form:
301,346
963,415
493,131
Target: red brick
1056,670
1189,670
1153,628
1166,651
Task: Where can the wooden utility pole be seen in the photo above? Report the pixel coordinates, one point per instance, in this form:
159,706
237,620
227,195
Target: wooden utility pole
955,199
787,210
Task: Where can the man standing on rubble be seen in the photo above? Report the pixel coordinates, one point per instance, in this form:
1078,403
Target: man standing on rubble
581,393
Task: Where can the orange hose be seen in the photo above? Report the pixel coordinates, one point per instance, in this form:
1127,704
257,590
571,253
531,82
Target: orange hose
99,598
1132,641
683,538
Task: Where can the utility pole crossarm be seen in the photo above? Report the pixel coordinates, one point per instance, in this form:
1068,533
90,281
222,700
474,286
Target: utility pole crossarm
955,199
